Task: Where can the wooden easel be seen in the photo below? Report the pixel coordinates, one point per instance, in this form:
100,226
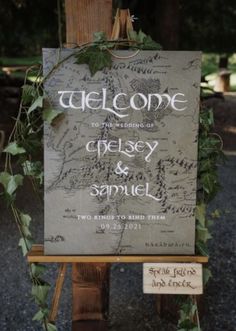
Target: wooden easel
90,274
36,255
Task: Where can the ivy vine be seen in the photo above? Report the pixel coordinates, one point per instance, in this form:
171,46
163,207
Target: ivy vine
25,147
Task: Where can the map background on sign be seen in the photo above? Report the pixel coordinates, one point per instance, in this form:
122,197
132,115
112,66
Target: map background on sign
70,170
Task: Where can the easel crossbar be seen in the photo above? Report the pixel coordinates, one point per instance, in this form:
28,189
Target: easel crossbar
36,255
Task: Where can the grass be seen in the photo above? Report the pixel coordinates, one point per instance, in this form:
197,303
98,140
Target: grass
19,61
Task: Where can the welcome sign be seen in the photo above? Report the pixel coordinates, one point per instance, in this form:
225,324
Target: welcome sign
120,169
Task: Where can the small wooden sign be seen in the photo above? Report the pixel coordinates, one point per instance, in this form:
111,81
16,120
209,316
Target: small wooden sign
172,278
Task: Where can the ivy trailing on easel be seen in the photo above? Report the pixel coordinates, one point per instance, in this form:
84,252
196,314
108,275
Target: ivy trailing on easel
209,155
25,146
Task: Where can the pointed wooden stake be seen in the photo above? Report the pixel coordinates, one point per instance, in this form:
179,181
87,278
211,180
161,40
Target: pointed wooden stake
57,292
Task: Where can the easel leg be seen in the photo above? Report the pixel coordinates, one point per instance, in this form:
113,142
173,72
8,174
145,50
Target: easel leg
57,292
90,286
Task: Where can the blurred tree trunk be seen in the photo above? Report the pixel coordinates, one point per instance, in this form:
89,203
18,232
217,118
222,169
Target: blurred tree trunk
223,79
223,61
168,18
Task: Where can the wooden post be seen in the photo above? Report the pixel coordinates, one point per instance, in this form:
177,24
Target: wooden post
84,17
90,281
90,286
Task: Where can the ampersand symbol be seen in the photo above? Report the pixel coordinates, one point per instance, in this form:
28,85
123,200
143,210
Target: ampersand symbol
121,170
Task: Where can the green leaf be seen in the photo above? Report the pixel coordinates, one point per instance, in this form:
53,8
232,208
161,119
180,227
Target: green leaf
193,309
206,275
14,149
40,177
209,223
132,34
25,219
50,114
39,316
101,60
32,169
201,213
150,44
95,58
40,293
141,37
38,103
187,324
99,36
32,144
37,269
29,94
28,168
26,231
25,245
208,181
143,41
202,248
206,119
206,165
10,182
203,234
51,327
215,213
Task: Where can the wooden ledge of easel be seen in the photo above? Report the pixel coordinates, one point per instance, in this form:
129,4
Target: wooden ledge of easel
36,255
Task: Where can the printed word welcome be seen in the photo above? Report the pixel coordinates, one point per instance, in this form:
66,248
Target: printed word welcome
121,102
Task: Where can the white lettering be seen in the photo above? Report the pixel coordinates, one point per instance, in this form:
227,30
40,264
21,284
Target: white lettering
147,159
174,100
115,102
89,98
142,96
104,107
88,144
110,191
95,100
160,98
128,148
